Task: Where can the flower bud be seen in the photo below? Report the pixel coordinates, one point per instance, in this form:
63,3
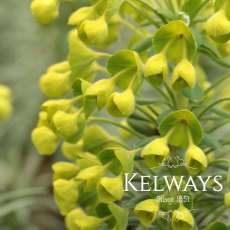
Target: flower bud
5,92
80,15
156,69
71,150
5,109
155,152
52,106
65,123
218,27
42,120
66,195
44,140
90,176
94,31
182,219
110,189
78,220
146,211
227,199
55,84
88,223
183,75
45,11
72,216
64,170
121,104
195,159
101,90
60,67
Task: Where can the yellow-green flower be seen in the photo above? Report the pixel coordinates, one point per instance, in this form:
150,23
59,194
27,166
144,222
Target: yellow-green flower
146,211
183,75
5,109
227,199
182,219
52,106
64,170
94,31
44,140
155,152
78,220
71,150
72,216
55,84
110,189
65,123
156,69
45,11
195,159
80,15
121,104
66,195
90,176
218,27
5,104
101,90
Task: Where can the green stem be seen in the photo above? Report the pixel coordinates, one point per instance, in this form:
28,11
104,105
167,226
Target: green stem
145,15
200,8
218,161
218,126
104,120
171,6
146,101
212,105
216,83
151,119
103,55
131,27
76,99
171,94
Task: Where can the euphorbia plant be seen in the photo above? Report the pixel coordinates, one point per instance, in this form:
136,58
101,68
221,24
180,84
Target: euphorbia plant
169,140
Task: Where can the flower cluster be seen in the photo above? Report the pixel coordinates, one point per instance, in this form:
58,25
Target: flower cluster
89,185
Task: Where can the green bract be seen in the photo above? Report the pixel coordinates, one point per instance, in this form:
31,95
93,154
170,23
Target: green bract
180,125
126,68
175,39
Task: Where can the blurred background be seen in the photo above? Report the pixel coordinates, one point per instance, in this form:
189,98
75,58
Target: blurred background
26,50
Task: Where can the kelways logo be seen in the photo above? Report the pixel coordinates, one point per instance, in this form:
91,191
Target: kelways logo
169,182
170,191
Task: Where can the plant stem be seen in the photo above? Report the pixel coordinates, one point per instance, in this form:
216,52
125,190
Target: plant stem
104,120
131,27
151,119
200,8
142,13
171,94
216,83
218,126
212,105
